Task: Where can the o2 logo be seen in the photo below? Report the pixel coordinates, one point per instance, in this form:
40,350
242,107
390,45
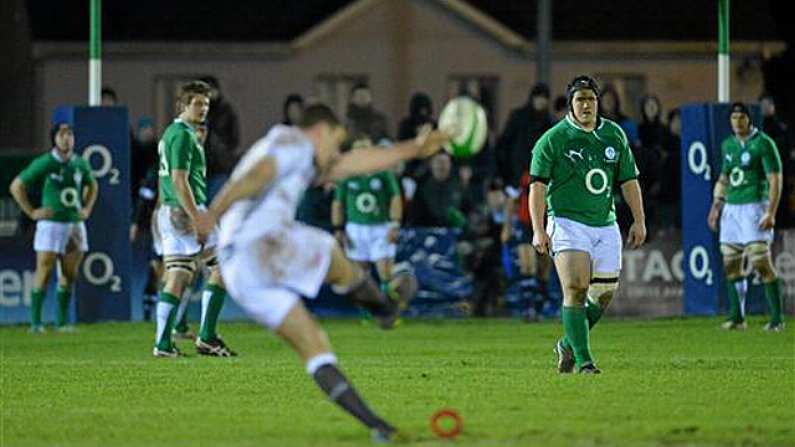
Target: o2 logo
105,165
98,271
697,160
698,263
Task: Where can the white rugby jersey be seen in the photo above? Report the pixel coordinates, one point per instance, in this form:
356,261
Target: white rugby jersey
277,204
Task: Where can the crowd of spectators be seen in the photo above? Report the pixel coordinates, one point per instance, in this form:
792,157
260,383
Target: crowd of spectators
470,196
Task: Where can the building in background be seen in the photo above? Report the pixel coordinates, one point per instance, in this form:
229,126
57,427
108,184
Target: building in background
398,47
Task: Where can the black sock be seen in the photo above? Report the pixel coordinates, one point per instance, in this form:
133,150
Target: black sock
339,390
369,296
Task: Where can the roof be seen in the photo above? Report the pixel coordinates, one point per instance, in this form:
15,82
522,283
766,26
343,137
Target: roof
286,20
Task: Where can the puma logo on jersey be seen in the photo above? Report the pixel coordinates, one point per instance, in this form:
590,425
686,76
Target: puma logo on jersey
729,157
57,177
572,153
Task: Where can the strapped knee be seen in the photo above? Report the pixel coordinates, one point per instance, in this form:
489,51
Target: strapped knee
180,263
757,252
731,253
603,286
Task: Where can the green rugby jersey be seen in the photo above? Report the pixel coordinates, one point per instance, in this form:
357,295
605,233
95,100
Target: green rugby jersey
366,198
180,149
61,183
582,168
747,164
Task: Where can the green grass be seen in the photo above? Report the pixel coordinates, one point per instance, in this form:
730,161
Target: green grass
665,382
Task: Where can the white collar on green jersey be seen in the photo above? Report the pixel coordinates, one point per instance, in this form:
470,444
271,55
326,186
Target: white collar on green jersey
576,125
57,156
180,120
742,141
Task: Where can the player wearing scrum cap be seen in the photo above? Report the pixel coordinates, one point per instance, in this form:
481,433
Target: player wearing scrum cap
575,167
745,201
68,194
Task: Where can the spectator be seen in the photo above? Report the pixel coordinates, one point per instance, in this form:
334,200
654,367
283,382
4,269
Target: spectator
525,125
561,107
649,155
143,155
293,109
438,198
670,198
651,131
223,136
108,97
480,250
420,114
778,130
610,108
363,118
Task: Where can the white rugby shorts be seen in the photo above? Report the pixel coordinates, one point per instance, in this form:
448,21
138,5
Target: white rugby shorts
60,237
266,276
369,242
739,224
177,238
602,243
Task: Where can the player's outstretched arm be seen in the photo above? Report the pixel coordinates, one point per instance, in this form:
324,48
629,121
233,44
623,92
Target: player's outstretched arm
369,160
637,231
256,179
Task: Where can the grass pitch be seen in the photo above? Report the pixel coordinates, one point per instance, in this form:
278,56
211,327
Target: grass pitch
665,382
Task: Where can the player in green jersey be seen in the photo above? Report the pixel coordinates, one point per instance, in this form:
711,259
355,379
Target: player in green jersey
366,214
68,194
745,200
183,194
575,167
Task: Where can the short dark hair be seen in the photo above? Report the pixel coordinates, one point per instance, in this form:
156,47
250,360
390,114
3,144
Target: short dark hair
318,113
107,91
191,89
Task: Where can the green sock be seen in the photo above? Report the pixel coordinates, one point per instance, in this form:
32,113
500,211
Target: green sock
36,302
64,296
593,311
166,313
775,298
735,312
212,303
575,327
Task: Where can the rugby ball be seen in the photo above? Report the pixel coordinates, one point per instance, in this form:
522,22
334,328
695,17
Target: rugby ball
465,120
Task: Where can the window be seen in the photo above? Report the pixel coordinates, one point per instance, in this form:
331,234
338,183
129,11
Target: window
334,90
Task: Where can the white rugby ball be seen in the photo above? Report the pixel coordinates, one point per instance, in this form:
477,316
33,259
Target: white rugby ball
465,120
